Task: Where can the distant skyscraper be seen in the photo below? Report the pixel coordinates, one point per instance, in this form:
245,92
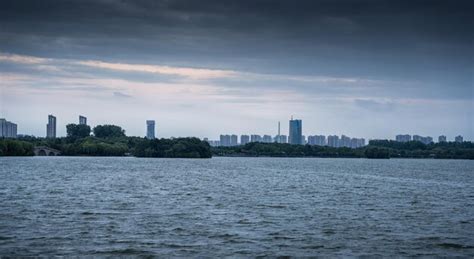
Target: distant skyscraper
8,129
296,132
442,138
51,127
150,129
244,139
333,141
459,139
82,120
234,140
403,138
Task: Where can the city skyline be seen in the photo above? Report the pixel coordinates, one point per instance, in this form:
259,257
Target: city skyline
312,137
372,69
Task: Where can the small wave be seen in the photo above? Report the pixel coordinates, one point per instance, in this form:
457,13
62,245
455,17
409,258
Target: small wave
126,251
455,246
313,247
5,238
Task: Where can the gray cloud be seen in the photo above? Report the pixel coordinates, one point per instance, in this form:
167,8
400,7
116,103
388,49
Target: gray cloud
374,105
121,95
396,49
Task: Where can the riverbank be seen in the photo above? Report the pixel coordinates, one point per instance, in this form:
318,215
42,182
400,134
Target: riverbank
378,149
195,148
110,146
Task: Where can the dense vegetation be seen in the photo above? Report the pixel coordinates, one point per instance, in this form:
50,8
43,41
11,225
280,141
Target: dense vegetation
10,147
78,130
416,149
285,150
178,147
108,140
375,149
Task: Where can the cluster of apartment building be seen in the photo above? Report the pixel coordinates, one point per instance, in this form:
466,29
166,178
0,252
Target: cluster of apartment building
316,140
425,140
295,137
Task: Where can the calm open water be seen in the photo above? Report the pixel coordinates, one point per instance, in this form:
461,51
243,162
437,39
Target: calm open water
236,207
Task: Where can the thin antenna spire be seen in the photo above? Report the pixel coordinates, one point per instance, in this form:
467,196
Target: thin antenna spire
278,138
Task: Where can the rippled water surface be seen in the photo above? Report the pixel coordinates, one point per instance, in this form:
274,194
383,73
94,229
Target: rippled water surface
236,207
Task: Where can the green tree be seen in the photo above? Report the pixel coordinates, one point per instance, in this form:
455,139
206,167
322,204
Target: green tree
78,130
108,131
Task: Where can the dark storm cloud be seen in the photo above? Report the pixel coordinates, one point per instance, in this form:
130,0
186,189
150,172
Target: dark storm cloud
427,41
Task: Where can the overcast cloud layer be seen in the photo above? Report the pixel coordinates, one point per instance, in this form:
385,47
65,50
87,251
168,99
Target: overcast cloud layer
369,68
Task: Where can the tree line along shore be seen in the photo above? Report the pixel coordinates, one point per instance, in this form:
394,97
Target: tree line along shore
110,140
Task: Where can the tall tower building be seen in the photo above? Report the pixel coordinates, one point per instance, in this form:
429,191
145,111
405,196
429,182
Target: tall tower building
82,120
296,132
51,127
150,129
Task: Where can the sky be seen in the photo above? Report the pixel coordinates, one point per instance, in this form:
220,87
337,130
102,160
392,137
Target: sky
363,68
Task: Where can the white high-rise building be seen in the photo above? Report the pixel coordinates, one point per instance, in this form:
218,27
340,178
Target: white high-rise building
150,129
51,127
296,132
82,120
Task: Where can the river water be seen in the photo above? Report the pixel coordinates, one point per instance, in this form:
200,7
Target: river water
236,207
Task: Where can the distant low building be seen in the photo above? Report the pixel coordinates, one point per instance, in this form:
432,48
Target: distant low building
234,140
333,141
458,139
212,143
320,140
267,139
345,141
244,139
255,138
424,140
8,129
403,138
442,138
